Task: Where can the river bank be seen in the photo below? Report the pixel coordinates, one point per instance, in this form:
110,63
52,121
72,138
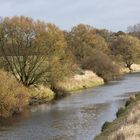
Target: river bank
43,94
87,79
127,124
15,97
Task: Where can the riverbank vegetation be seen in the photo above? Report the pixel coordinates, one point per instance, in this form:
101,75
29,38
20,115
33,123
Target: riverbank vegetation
85,79
46,61
127,124
13,95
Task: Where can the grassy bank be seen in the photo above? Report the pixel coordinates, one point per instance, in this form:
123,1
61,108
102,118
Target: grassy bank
43,94
127,124
134,67
40,95
82,81
89,79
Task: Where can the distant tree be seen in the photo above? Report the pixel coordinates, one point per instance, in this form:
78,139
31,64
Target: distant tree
82,39
101,64
120,33
107,35
128,48
134,30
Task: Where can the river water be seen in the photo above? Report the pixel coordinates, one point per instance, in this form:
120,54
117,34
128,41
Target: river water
77,117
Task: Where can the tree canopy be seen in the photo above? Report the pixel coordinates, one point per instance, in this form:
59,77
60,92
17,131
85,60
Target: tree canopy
128,48
31,49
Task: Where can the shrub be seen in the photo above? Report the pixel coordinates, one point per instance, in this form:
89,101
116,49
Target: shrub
59,92
13,96
101,64
130,100
105,126
120,112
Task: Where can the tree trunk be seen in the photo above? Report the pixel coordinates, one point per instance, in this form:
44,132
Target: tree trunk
129,67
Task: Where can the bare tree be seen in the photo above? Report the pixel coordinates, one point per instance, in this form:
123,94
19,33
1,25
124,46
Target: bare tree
134,30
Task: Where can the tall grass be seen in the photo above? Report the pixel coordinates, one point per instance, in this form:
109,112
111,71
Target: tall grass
81,81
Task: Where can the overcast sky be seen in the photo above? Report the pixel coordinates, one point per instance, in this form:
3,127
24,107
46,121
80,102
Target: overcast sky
111,14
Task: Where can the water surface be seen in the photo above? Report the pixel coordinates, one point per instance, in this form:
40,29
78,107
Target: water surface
77,117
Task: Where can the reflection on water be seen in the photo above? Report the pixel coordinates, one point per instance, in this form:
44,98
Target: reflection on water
77,117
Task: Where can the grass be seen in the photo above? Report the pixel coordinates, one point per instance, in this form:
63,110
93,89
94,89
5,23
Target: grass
135,68
80,82
127,124
41,94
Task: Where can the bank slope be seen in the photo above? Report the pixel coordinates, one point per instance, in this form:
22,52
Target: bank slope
127,124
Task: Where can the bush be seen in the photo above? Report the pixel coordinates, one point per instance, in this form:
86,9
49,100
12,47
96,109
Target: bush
128,102
131,100
120,112
105,126
13,96
59,92
102,65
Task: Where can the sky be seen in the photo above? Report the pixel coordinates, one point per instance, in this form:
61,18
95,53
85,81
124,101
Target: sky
113,15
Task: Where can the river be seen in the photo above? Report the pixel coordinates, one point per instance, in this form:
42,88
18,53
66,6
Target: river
76,117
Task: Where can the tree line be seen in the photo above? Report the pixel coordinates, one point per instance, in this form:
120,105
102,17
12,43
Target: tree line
38,52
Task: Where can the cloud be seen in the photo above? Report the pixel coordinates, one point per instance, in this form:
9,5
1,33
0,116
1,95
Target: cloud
114,15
